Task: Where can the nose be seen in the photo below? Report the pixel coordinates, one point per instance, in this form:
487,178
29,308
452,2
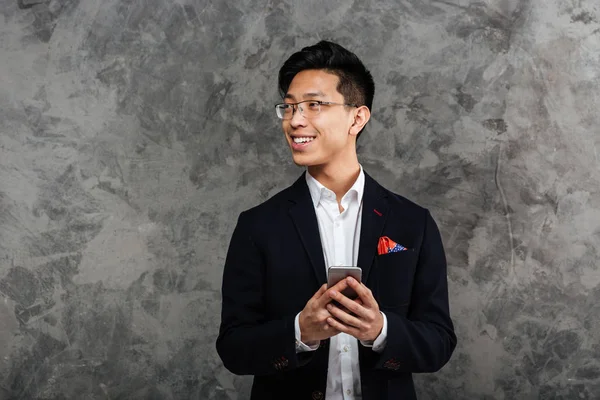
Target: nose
297,117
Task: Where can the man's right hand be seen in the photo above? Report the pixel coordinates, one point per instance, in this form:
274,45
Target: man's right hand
313,318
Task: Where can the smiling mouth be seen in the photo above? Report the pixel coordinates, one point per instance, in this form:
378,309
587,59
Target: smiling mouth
299,140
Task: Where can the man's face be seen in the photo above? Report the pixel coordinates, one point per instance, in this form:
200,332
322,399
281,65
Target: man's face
328,131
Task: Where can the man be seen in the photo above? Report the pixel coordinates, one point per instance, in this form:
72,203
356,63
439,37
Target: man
280,322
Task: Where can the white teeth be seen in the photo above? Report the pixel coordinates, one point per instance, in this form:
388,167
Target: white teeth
303,139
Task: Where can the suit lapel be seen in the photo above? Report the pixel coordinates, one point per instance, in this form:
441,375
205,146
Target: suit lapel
374,215
303,214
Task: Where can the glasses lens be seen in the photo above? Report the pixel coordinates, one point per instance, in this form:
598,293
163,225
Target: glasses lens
307,109
284,111
310,108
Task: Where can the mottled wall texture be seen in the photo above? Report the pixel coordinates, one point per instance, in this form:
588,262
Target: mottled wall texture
133,132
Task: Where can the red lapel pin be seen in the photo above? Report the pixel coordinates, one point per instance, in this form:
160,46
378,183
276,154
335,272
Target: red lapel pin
377,212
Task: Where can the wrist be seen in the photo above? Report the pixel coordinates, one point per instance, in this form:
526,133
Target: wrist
306,339
379,328
301,326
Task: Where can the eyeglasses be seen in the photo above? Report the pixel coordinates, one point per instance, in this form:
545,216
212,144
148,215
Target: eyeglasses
307,108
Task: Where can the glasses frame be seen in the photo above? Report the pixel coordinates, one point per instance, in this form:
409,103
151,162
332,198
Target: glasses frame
296,106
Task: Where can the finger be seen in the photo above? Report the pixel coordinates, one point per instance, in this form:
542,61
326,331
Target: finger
320,292
344,317
330,329
337,288
340,286
341,307
338,326
363,292
359,302
350,306
329,332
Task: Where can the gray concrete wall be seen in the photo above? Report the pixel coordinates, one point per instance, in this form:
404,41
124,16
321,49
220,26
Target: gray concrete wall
133,132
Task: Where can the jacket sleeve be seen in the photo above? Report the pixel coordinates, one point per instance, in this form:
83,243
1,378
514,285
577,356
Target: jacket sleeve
422,339
249,343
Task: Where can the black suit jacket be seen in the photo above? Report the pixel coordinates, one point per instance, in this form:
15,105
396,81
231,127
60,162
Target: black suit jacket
275,264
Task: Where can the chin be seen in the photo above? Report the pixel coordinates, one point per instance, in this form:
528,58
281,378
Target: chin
303,160
299,161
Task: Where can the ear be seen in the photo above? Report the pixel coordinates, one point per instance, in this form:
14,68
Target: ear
361,116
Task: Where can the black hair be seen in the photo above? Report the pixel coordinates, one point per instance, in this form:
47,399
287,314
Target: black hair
356,83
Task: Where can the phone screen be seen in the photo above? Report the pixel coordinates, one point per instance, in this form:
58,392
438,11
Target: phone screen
337,273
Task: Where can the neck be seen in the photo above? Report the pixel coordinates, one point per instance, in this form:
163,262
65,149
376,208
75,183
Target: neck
338,178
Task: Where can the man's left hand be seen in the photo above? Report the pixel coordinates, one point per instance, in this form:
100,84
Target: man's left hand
361,317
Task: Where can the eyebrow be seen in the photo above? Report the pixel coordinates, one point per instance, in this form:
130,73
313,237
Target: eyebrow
305,95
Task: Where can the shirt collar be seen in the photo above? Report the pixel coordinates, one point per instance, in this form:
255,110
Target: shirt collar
317,189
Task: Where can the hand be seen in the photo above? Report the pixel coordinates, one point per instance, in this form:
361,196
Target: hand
313,318
360,318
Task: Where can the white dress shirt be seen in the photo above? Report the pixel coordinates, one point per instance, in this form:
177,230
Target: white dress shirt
340,237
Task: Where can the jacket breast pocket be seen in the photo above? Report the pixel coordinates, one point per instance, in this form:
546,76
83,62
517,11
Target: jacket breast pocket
395,275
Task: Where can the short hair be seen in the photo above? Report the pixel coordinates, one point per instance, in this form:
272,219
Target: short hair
356,82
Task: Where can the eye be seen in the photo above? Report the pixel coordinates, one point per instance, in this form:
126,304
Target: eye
313,105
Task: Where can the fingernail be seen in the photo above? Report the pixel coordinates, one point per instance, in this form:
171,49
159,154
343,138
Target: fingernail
329,306
350,279
333,293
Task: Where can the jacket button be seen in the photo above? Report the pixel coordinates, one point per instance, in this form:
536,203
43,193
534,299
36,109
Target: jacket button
317,395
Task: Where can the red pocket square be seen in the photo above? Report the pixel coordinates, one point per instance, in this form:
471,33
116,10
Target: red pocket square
387,245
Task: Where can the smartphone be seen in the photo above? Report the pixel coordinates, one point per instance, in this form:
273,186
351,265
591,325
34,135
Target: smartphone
337,273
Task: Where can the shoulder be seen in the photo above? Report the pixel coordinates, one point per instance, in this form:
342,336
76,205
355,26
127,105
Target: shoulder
276,204
402,207
395,199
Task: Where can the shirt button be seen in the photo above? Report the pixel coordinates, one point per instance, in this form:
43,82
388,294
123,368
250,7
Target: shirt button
349,391
346,348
